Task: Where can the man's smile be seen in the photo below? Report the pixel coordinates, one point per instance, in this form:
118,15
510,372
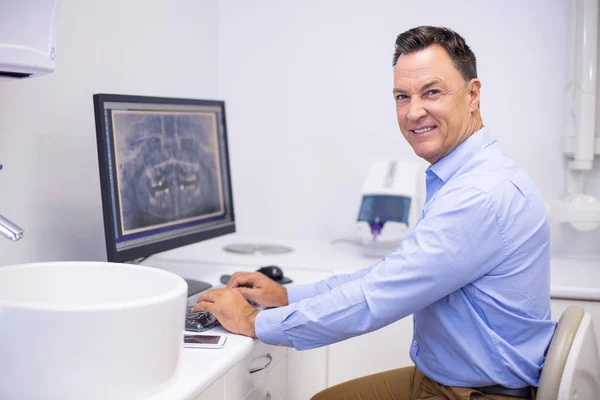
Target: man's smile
424,129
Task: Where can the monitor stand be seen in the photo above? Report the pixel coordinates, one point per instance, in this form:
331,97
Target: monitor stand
195,287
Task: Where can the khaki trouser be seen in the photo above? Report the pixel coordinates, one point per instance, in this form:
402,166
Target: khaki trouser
402,384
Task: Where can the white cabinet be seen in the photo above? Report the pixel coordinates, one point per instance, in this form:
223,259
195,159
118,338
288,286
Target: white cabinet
271,388
262,375
378,351
307,373
311,371
215,392
264,370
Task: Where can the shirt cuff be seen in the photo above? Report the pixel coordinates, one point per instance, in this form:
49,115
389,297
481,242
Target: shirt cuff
299,292
267,326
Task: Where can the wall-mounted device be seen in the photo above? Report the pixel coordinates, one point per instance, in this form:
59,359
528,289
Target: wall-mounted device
27,37
580,209
27,48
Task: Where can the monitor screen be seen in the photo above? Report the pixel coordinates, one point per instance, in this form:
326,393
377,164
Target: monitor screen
164,173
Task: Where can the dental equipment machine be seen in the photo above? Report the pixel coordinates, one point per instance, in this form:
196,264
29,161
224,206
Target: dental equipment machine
390,205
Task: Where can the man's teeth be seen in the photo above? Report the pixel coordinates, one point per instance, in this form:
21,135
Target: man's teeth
424,129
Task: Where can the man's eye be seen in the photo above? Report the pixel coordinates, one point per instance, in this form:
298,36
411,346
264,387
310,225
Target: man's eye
400,97
432,92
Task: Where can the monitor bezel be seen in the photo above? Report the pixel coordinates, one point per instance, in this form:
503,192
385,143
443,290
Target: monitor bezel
144,251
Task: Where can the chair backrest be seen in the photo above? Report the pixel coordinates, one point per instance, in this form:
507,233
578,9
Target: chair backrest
558,352
581,377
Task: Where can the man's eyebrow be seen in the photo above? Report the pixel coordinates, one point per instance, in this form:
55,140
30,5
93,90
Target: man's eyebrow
423,88
430,84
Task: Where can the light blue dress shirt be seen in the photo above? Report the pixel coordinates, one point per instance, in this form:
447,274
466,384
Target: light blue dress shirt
474,272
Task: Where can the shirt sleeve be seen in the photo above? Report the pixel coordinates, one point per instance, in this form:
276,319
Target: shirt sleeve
299,292
457,242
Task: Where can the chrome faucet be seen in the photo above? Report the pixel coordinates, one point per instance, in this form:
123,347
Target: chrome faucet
10,230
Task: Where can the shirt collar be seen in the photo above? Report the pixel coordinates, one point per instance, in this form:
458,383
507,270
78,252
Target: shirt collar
447,166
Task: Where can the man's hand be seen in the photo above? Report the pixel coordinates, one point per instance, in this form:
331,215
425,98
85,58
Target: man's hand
231,309
259,288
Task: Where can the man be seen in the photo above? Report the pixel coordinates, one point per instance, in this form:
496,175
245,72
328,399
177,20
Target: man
474,271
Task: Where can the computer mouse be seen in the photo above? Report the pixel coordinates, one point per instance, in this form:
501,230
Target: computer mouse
272,272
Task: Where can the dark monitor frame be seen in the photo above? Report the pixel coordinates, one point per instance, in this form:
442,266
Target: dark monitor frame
143,251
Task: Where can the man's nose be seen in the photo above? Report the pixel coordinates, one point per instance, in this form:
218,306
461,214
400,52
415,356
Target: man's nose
416,110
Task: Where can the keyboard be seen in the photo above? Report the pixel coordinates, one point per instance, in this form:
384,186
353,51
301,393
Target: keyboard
202,320
199,321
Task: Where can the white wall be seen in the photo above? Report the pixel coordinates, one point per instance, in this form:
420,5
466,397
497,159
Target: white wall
49,184
309,106
308,89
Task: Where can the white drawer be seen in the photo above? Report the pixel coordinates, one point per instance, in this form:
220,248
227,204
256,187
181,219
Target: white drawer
215,392
272,387
246,374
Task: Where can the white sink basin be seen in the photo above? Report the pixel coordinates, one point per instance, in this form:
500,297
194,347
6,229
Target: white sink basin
88,330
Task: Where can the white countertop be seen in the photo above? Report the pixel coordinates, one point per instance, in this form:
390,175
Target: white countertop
200,368
571,278
316,255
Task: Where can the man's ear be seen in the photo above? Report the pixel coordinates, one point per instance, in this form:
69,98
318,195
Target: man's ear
473,90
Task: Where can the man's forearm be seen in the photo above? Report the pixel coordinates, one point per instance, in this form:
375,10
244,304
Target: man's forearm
300,292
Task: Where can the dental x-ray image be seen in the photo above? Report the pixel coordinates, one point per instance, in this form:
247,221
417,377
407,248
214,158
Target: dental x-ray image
168,168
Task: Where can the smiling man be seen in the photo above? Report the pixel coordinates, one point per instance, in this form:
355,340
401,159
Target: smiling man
474,271
437,99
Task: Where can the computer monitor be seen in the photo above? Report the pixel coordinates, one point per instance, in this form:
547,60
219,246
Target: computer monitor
164,173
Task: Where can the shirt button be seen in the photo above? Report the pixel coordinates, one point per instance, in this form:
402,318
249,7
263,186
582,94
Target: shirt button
414,342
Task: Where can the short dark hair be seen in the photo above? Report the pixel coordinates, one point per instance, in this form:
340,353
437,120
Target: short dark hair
419,38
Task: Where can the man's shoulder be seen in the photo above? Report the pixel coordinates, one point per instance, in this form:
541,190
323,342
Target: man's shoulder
486,171
498,178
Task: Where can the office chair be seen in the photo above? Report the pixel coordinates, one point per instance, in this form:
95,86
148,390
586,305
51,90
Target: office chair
572,366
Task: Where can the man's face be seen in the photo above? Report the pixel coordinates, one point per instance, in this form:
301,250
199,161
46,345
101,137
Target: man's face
435,107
